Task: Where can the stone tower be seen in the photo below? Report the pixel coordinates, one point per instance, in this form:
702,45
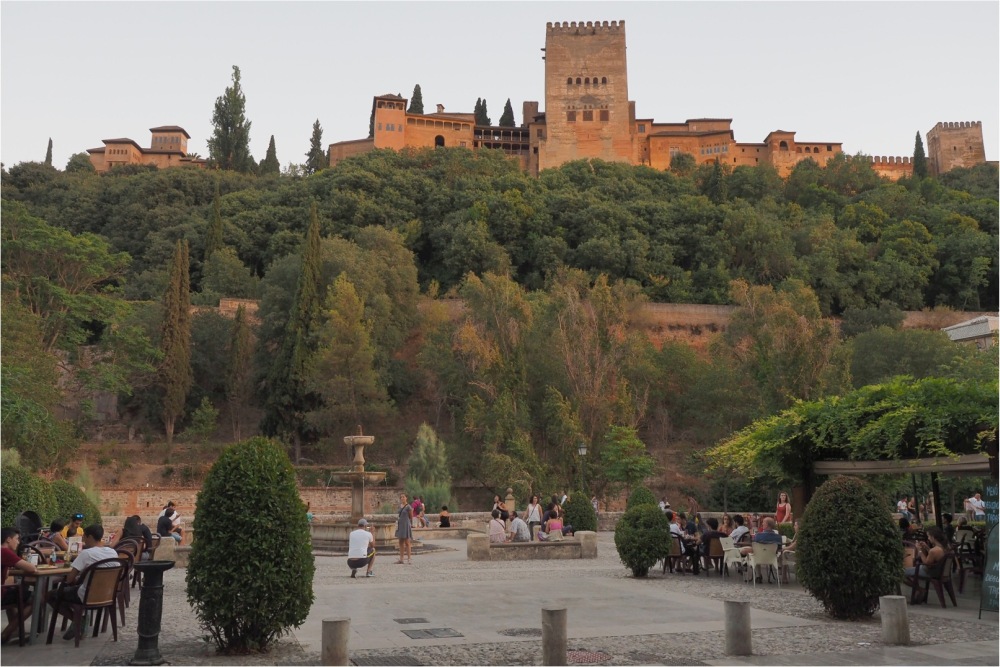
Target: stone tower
952,145
587,110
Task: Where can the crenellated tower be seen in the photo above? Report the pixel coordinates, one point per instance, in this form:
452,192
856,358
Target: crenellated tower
952,145
587,111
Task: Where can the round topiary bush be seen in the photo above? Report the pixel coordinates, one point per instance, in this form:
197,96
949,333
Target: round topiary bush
579,512
642,537
71,499
849,552
22,490
640,496
250,575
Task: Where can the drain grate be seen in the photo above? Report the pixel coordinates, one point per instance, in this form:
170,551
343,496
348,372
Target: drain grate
386,659
588,657
521,632
410,620
432,633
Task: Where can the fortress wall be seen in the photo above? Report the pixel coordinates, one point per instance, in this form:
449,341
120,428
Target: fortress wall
892,167
955,144
345,149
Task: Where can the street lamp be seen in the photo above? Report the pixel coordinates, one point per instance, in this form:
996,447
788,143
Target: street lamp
581,449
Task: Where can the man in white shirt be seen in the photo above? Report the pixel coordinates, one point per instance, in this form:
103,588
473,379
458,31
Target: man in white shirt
978,507
361,549
664,505
93,551
740,530
518,531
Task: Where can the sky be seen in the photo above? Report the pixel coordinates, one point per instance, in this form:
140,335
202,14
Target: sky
867,74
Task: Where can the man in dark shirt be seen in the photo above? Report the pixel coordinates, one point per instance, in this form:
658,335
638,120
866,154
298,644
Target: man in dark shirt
165,524
708,535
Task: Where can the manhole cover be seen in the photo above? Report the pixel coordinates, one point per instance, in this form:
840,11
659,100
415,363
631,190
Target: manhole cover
522,632
386,659
410,620
586,656
432,633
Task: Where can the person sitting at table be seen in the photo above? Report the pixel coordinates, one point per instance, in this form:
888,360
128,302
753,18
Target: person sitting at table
740,530
55,535
74,589
74,528
135,529
11,538
948,528
769,535
444,517
688,544
712,531
931,563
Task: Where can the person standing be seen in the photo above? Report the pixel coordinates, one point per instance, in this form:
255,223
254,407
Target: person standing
533,514
978,507
404,530
783,511
594,504
361,549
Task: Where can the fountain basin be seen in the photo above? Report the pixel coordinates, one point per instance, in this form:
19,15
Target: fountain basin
335,536
355,477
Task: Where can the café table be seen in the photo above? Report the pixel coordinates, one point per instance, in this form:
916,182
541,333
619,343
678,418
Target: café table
44,579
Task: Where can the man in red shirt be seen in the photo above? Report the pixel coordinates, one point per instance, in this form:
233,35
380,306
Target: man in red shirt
11,540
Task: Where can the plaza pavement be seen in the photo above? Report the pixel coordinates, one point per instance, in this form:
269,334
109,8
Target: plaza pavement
495,608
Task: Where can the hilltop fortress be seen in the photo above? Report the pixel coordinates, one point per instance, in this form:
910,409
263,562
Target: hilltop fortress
588,114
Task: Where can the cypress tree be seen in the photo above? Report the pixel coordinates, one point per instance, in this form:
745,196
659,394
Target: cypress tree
229,145
507,119
316,157
416,101
371,124
175,374
287,397
48,153
919,158
239,371
270,164
213,237
482,117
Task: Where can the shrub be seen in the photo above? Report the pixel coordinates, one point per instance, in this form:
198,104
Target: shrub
250,577
70,499
433,497
22,490
579,512
786,529
865,560
641,496
642,537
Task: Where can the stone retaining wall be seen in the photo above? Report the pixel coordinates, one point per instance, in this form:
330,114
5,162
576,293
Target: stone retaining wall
582,545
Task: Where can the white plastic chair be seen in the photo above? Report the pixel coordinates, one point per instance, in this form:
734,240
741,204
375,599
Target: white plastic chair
731,555
763,555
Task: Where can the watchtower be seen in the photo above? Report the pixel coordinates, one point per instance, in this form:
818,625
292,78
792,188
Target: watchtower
587,110
952,145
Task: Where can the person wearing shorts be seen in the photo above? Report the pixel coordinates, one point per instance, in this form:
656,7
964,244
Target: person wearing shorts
361,549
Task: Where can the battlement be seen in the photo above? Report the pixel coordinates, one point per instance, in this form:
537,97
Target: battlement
583,28
883,160
958,125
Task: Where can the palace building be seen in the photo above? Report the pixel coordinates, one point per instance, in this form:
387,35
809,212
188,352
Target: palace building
168,148
588,114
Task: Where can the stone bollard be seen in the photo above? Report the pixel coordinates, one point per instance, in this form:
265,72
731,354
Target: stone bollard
150,611
553,636
738,628
510,502
477,546
588,543
895,624
336,632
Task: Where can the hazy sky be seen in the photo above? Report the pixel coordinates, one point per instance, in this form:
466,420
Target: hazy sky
867,74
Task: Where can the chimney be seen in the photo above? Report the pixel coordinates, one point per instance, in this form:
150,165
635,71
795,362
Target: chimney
440,108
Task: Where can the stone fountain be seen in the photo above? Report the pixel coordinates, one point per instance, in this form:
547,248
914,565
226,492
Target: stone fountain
335,536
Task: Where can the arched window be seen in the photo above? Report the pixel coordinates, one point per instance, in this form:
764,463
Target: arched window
808,150
578,81
783,146
439,141
569,81
604,80
587,81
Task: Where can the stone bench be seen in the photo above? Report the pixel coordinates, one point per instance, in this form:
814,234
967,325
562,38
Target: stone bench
455,532
582,545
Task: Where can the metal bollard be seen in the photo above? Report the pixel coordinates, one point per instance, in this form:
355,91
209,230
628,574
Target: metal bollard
150,612
553,636
895,623
738,628
336,632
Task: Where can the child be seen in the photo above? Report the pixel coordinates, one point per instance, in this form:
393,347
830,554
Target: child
445,517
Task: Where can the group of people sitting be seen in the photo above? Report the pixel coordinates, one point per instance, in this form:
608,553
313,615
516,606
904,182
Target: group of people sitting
550,521
695,536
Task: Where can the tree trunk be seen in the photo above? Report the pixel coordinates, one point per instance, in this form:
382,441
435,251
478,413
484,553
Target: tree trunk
168,424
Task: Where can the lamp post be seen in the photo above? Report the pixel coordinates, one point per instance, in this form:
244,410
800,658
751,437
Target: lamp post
581,449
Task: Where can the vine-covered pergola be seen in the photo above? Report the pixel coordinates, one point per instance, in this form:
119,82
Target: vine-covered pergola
937,425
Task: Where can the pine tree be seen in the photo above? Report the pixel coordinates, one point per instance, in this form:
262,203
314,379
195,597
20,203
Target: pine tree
213,237
239,372
287,398
919,158
316,158
48,153
175,374
482,117
416,101
229,145
507,119
270,164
